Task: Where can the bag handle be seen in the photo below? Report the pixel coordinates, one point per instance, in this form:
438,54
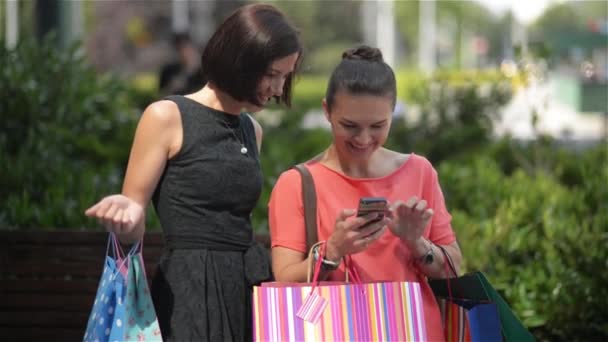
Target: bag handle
118,252
348,266
116,249
309,201
121,260
317,266
448,263
448,260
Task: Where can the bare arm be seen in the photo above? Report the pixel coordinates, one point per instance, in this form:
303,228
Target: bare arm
158,138
289,265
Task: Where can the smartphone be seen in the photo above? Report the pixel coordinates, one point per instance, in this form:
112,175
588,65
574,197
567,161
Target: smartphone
369,205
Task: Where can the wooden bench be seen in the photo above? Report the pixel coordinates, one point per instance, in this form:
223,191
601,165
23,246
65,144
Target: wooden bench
48,281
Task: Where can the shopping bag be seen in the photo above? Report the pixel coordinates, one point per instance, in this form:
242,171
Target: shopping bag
378,311
465,320
484,322
140,316
107,316
472,310
384,311
122,308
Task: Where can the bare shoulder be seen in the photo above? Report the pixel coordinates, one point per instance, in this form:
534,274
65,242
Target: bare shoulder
164,112
397,158
162,123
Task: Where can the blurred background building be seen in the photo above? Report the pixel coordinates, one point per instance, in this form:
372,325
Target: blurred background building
563,44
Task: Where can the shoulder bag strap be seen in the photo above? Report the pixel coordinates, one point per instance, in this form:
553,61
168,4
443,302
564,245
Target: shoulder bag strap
309,200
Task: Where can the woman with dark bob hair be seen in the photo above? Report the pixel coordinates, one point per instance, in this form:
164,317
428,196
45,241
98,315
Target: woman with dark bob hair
196,158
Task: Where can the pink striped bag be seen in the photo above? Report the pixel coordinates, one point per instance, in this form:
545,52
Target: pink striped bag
385,311
379,311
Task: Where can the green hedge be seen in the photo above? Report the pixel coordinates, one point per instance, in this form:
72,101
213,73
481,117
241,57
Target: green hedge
64,138
540,234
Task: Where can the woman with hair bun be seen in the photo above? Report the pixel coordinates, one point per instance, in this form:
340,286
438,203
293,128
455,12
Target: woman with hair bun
403,245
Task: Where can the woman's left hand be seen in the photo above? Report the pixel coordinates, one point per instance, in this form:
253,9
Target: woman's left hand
409,218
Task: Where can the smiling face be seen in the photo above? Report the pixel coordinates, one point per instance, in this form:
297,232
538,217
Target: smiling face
272,82
360,123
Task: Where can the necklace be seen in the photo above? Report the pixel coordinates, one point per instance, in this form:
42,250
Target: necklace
240,140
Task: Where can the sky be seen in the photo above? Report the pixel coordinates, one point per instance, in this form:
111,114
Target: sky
525,11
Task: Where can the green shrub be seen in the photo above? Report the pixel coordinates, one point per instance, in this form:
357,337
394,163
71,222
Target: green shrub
64,138
541,242
454,108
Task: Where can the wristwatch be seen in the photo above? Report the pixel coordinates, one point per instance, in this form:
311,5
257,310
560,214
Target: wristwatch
326,265
428,257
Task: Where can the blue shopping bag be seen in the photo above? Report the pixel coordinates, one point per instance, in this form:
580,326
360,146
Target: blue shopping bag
122,310
485,323
106,321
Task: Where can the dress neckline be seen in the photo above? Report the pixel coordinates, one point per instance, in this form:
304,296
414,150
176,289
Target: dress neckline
232,120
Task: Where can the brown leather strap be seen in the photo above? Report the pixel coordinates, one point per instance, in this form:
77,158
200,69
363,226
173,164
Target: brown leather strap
309,200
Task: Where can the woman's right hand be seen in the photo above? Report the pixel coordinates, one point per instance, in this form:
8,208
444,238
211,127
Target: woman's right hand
354,235
118,214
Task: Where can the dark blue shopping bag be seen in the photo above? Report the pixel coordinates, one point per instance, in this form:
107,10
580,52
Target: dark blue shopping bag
470,320
485,323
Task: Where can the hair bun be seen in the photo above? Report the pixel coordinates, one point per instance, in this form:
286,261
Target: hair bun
363,52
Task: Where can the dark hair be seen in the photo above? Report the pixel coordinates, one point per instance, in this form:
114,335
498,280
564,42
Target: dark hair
362,71
242,49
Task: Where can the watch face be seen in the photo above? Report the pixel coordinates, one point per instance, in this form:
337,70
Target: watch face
428,259
328,266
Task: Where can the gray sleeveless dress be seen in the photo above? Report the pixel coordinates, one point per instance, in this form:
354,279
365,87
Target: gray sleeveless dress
202,287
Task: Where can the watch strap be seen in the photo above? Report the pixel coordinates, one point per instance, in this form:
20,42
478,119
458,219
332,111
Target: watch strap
327,265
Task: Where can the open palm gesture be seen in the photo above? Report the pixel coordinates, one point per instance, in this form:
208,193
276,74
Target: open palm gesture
117,213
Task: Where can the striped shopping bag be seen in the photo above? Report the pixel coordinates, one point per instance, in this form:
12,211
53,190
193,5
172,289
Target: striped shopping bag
382,311
335,311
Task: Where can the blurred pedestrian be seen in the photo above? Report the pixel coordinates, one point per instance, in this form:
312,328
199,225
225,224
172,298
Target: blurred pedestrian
183,75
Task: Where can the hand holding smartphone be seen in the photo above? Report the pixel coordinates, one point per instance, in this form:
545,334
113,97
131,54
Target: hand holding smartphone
368,205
